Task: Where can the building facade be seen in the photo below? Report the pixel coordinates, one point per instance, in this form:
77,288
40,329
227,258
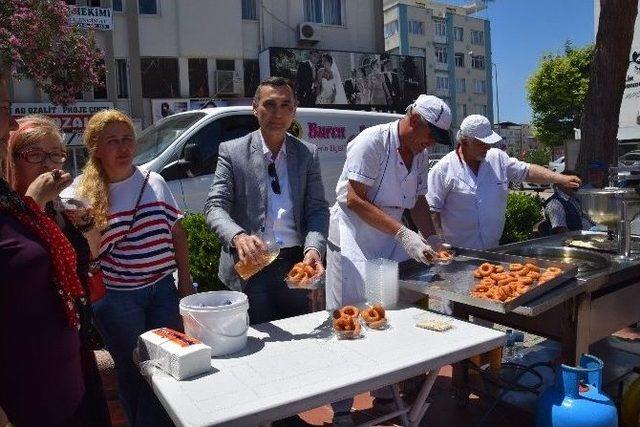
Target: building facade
457,48
203,49
517,139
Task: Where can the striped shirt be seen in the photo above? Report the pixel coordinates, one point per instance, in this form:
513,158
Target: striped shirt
137,255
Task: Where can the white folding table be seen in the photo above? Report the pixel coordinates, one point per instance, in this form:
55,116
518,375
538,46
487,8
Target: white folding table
296,364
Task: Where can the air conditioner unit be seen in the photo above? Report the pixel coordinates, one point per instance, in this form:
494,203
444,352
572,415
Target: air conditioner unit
309,32
225,82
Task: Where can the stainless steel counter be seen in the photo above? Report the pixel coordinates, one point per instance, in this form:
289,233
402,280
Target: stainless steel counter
455,280
602,299
614,273
596,270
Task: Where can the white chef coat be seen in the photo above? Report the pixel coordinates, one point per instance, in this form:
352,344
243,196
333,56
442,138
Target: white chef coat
372,159
472,208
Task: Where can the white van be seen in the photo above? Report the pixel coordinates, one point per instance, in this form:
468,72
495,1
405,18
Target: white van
183,148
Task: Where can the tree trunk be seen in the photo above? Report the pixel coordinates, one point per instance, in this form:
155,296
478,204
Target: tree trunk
5,80
599,122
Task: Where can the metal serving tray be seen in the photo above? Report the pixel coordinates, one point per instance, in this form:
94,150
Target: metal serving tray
454,281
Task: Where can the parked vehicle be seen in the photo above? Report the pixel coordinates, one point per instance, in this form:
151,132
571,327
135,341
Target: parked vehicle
434,158
183,147
557,165
531,186
630,159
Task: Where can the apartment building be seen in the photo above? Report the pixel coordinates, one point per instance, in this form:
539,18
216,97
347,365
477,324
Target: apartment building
456,46
516,138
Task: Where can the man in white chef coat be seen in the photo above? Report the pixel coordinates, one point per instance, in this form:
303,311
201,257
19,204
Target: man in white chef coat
468,187
385,173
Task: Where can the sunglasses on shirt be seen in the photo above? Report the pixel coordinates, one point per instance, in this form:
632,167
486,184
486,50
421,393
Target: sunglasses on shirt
275,183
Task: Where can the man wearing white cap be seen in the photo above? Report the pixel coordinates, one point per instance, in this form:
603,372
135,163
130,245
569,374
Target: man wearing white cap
385,173
468,187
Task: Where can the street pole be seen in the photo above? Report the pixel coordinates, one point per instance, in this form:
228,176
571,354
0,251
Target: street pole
497,95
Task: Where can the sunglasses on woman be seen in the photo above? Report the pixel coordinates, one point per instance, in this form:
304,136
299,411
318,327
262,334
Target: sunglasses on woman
39,156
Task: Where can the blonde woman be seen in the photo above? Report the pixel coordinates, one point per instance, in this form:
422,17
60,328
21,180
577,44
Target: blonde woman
142,244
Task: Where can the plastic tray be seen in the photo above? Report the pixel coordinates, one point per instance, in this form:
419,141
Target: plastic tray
318,283
349,335
455,281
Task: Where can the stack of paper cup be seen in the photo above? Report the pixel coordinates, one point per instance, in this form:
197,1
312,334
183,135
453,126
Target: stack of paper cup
381,282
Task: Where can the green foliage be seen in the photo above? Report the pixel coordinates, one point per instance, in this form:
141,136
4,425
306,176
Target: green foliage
556,93
523,212
204,252
540,156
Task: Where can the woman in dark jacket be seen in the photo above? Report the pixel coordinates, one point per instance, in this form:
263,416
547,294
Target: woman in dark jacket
48,375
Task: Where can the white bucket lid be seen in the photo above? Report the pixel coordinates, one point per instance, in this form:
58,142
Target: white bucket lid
215,301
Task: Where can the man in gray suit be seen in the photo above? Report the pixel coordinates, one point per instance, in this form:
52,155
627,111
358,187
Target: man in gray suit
269,182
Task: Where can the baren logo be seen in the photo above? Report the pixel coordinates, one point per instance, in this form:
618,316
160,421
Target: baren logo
295,129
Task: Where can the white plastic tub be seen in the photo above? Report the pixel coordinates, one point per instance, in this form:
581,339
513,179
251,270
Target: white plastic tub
220,319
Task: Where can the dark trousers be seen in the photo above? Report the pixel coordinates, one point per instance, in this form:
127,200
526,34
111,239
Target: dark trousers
269,297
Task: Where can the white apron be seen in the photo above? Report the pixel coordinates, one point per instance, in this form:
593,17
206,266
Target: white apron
359,242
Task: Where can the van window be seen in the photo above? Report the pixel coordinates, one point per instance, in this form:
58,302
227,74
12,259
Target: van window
208,138
158,137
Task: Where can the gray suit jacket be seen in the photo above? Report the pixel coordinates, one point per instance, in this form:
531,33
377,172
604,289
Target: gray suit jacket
237,200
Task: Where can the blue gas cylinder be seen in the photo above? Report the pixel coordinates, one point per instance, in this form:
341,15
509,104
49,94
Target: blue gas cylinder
576,398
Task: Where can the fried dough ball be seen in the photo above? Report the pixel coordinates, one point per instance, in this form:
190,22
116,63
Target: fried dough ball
349,327
534,275
515,267
300,273
350,311
370,315
485,269
380,310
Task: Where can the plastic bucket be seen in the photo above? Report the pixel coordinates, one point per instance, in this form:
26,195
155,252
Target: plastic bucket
220,319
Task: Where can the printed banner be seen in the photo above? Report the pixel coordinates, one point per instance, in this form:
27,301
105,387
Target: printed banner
339,78
98,18
72,118
629,127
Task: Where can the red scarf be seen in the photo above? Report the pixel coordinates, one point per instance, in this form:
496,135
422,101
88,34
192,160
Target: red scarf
63,256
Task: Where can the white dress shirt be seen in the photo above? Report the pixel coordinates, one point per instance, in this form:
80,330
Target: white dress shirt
472,207
279,222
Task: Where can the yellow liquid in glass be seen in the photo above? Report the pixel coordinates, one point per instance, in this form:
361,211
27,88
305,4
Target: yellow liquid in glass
247,269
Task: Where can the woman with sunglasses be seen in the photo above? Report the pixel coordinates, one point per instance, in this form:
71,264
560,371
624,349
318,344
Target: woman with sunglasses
142,244
44,362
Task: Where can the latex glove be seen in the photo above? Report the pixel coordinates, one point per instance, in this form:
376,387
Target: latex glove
437,243
413,244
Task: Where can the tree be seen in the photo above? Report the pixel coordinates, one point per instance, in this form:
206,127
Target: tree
599,124
556,93
38,42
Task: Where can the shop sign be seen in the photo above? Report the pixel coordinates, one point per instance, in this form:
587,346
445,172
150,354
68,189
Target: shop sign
72,118
98,18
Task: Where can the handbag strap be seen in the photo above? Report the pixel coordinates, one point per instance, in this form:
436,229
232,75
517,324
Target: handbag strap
133,218
135,212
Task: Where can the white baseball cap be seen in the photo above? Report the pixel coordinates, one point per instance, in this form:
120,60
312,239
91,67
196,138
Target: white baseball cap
479,127
437,113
